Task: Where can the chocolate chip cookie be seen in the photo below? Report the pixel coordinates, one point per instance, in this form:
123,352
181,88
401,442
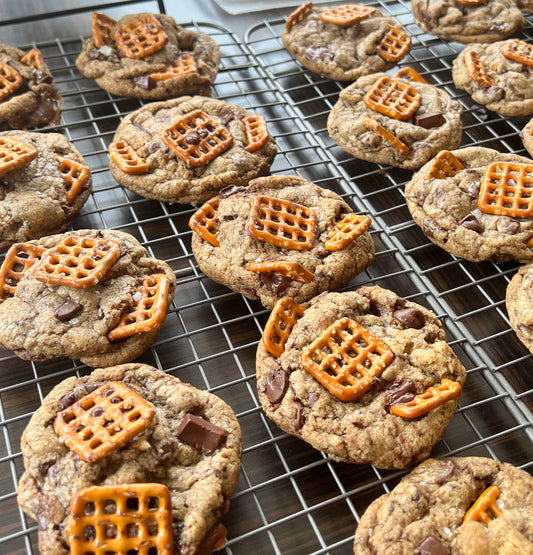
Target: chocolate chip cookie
44,183
167,435
519,303
467,21
497,75
456,505
28,95
526,134
346,41
148,56
186,149
352,372
280,236
396,121
93,295
473,203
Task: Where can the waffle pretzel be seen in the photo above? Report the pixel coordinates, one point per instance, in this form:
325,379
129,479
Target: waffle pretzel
485,507
15,154
409,74
393,98
10,80
345,358
518,51
387,136
79,262
287,268
204,222
101,26
186,65
506,189
121,519
197,138
103,421
256,131
445,164
432,398
344,232
476,69
298,14
394,45
19,258
282,223
348,14
127,158
148,312
75,176
284,315
33,58
141,37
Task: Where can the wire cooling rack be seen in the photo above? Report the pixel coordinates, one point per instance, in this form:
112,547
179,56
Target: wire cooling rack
290,498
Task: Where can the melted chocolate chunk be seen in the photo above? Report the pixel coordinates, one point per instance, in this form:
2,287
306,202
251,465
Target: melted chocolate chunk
401,392
428,121
275,282
201,434
226,115
410,318
144,82
318,53
472,223
431,546
68,310
299,414
276,383
230,190
41,76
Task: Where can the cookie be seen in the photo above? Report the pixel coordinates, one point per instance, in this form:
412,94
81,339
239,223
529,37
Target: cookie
93,295
519,304
148,56
467,21
281,236
187,442
344,42
395,121
526,134
350,373
186,149
497,76
28,95
474,203
454,506
44,184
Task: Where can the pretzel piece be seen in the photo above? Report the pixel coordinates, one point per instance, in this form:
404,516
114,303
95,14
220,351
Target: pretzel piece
345,231
15,154
127,158
348,14
518,51
476,69
287,268
470,3
204,222
79,262
10,80
432,398
186,65
196,138
298,14
387,136
282,223
507,189
394,45
19,258
345,358
485,507
75,176
409,74
256,131
445,164
148,311
101,26
103,421
33,58
393,98
121,519
141,37
284,315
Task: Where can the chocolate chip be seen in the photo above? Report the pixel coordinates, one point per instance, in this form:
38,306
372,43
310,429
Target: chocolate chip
276,383
401,392
201,434
230,190
410,318
144,82
68,310
507,225
67,400
299,414
318,53
472,223
193,139
97,412
275,282
431,546
428,121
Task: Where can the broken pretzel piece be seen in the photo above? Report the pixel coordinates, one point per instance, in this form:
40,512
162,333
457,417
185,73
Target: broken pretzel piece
444,165
393,98
394,45
10,80
19,258
33,58
15,154
346,231
485,507
256,131
348,14
204,222
518,51
409,74
127,158
75,176
287,268
387,136
101,26
186,65
141,37
298,14
476,69
284,315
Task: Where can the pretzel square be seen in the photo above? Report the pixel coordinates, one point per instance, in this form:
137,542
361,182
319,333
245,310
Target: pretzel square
141,37
256,131
186,65
298,14
506,189
282,223
103,421
348,14
518,51
345,359
15,154
33,58
444,165
386,135
197,138
287,268
10,80
409,74
79,262
121,519
204,222
127,158
476,69
101,26
394,45
75,175
148,311
284,315
19,258
345,231
485,507
393,98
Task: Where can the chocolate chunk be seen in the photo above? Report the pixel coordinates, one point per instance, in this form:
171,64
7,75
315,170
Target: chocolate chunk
276,383
41,76
67,400
317,53
428,121
508,225
226,115
431,546
275,282
68,310
410,318
300,420
230,190
401,392
201,434
472,223
144,82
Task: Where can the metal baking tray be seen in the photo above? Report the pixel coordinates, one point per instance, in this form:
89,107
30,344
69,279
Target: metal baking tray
290,499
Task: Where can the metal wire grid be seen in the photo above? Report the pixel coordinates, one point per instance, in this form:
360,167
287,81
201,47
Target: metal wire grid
290,498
